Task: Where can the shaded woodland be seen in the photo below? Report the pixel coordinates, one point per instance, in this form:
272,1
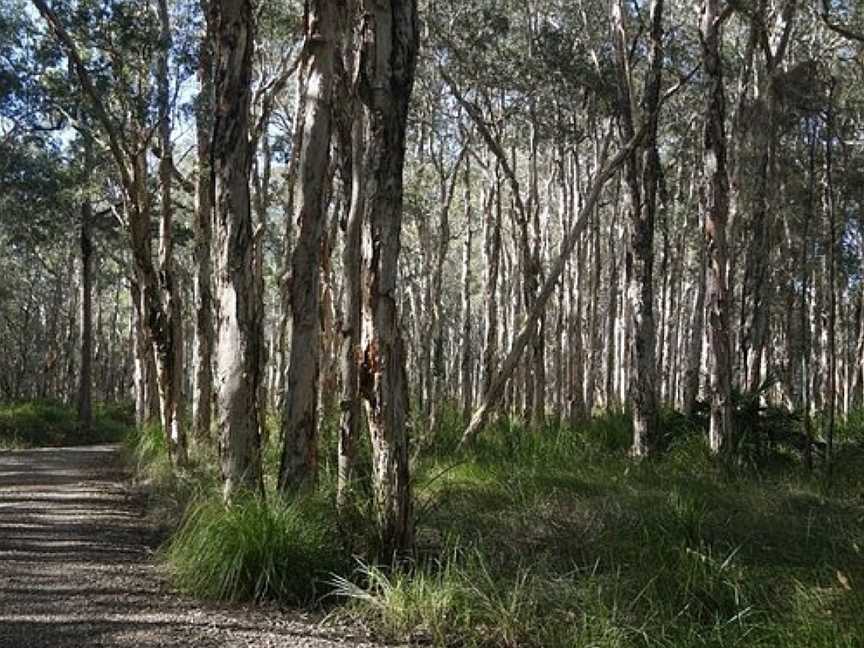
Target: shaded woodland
334,252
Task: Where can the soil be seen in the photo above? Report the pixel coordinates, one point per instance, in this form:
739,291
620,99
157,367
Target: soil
77,567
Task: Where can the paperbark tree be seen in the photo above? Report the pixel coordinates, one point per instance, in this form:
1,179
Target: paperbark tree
350,136
129,154
85,376
300,406
388,57
831,246
641,174
238,321
467,356
716,207
202,384
447,179
496,387
171,380
492,259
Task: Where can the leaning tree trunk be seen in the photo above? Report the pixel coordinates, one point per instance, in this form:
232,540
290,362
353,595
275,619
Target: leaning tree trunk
300,405
388,58
492,262
496,386
238,321
716,207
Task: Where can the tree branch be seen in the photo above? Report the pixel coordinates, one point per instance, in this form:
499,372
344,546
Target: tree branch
116,143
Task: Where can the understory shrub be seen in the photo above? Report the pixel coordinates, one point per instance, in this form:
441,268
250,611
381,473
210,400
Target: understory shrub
47,423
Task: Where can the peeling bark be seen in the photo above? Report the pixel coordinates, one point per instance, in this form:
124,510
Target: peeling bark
239,310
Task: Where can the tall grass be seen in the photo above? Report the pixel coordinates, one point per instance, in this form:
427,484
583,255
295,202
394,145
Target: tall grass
257,549
555,537
47,423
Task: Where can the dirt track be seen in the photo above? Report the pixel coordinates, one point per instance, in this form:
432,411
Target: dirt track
76,568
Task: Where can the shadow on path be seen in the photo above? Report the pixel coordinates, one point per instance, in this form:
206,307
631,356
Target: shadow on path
76,568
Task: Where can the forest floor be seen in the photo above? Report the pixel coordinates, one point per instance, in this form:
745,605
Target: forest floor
76,567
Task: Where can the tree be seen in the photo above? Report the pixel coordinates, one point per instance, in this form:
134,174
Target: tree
129,154
202,384
715,203
387,60
642,171
238,303
300,407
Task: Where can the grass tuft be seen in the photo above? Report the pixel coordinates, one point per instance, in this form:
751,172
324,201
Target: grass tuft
253,549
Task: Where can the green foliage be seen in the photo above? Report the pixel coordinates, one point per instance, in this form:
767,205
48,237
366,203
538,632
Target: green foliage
764,433
763,429
45,423
851,429
148,450
171,490
556,538
257,549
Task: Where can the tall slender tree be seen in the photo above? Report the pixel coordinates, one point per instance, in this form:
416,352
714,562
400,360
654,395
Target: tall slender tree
387,61
300,405
239,309
715,203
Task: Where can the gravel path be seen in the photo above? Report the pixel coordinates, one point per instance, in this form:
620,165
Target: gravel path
76,568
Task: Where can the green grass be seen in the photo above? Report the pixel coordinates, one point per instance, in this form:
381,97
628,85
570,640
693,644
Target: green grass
257,549
44,423
555,537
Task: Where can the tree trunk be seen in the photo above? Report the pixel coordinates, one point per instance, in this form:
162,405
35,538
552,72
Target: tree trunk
146,391
467,360
611,319
130,159
171,376
388,57
492,258
831,245
716,208
202,390
696,335
643,206
447,188
496,388
85,377
239,310
352,298
300,407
